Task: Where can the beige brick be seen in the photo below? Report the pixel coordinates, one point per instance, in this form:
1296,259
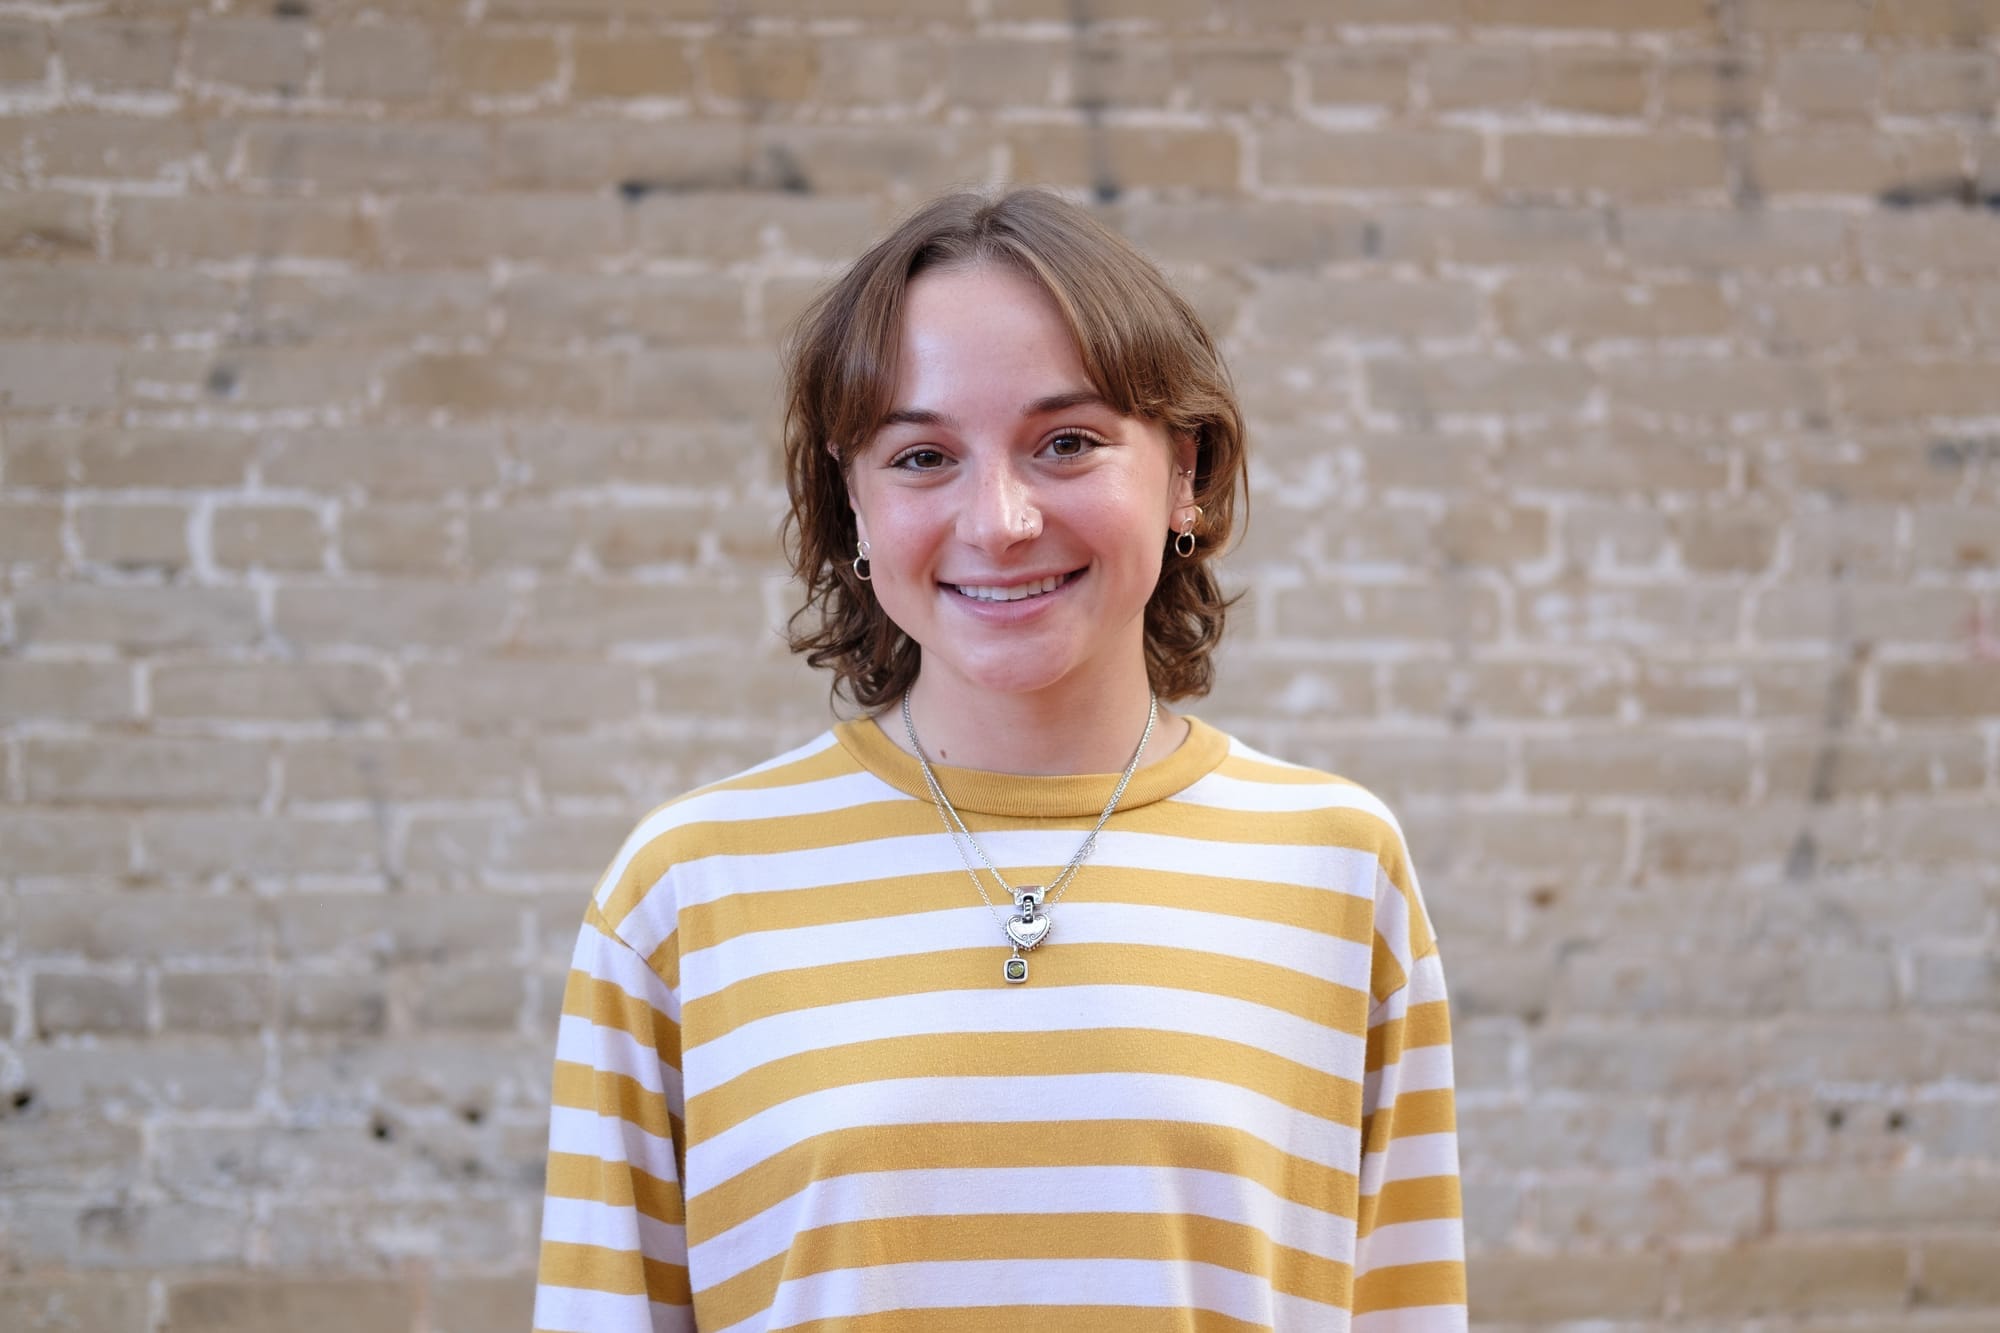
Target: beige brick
1873,612
1849,161
266,55
1593,83
40,224
253,845
1716,386
65,691
1586,765
401,930
64,376
236,227
65,1304
1692,238
68,1153
145,769
1076,155
84,1234
483,383
1637,167
342,1004
437,229
1790,1277
66,1003
63,842
1424,611
1589,311
1715,87
1938,689
1567,1286
1878,390
511,693
247,1304
497,1073
119,925
385,62
1927,241
470,1304
1908,1198
402,770
24,51
31,533
1959,21
1929,83
1444,386
368,308
248,377
485,997
1461,77
1957,540
120,55
391,463
335,155
500,64
1243,77
399,539
705,384
135,619
1120,75
274,691
1871,319
134,536
1959,1271
1576,1211
1307,312
588,617
222,1003
543,845
1829,84
267,537
1789,17
87,1079
771,69
1688,841
1299,155
630,65
1940,834
1716,541
1642,16
1914,763
991,72
1957,980
556,307
1518,233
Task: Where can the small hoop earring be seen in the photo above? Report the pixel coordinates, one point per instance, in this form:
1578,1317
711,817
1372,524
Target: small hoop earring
1184,540
862,570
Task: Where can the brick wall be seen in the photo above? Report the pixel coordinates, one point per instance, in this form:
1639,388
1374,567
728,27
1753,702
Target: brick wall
386,519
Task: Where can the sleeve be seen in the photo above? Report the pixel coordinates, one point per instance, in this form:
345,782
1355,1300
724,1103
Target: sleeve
1409,1263
614,1239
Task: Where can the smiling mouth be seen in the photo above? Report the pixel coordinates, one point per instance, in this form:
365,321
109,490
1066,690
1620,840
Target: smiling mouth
1014,592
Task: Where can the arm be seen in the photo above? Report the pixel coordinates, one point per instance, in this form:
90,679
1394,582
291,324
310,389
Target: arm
614,1241
1409,1265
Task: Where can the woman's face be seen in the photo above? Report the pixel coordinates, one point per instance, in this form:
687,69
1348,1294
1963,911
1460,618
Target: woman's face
1015,522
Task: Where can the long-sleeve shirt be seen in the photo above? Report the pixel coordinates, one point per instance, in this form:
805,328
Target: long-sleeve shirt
792,1089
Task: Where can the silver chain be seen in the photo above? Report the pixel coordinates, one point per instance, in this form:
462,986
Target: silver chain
960,834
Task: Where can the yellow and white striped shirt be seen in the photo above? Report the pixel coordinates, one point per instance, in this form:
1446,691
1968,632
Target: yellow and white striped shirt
793,1091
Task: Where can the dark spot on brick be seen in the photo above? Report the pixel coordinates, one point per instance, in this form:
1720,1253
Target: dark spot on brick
222,381
291,9
1544,895
380,1129
1835,1118
1896,1121
23,1099
632,191
1371,239
472,1115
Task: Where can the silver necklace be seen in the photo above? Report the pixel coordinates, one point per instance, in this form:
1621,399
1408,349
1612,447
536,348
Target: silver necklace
1030,923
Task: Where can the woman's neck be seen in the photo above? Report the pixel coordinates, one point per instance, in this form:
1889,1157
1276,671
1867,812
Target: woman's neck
1076,729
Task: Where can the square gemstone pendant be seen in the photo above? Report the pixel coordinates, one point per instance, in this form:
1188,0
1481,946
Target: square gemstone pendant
1016,970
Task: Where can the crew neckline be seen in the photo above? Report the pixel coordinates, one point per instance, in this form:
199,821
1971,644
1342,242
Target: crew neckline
1029,795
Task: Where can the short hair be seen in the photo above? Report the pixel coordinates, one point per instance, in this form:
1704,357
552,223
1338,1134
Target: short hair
1144,348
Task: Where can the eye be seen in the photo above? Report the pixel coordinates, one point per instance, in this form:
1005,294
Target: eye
1072,444
921,458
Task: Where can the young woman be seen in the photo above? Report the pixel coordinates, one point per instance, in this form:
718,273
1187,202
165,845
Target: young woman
1024,1000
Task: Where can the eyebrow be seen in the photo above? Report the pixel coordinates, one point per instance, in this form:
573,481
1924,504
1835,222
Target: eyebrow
1056,402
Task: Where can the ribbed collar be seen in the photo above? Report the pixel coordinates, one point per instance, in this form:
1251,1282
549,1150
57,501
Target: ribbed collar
1022,796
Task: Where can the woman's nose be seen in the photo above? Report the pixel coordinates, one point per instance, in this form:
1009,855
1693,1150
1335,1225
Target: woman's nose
1001,509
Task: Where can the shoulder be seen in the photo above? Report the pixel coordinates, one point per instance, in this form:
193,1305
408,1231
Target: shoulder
816,778
1335,808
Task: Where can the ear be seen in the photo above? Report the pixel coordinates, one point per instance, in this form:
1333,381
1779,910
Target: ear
1187,454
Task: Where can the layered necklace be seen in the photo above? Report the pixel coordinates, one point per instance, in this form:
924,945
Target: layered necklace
1030,924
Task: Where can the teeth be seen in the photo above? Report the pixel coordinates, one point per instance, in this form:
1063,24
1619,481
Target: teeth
1010,594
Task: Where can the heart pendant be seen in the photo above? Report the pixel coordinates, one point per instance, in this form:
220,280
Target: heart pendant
1027,934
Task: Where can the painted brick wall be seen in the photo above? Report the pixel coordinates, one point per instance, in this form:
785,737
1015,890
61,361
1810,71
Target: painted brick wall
387,509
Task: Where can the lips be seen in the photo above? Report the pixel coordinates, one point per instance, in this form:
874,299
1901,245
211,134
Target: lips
1012,592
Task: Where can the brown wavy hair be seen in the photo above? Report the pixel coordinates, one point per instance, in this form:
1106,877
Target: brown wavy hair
1144,349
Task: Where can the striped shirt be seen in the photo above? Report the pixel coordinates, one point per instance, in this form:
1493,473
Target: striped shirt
793,1091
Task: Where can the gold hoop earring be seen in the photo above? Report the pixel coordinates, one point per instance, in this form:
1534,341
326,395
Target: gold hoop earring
862,570
1184,539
